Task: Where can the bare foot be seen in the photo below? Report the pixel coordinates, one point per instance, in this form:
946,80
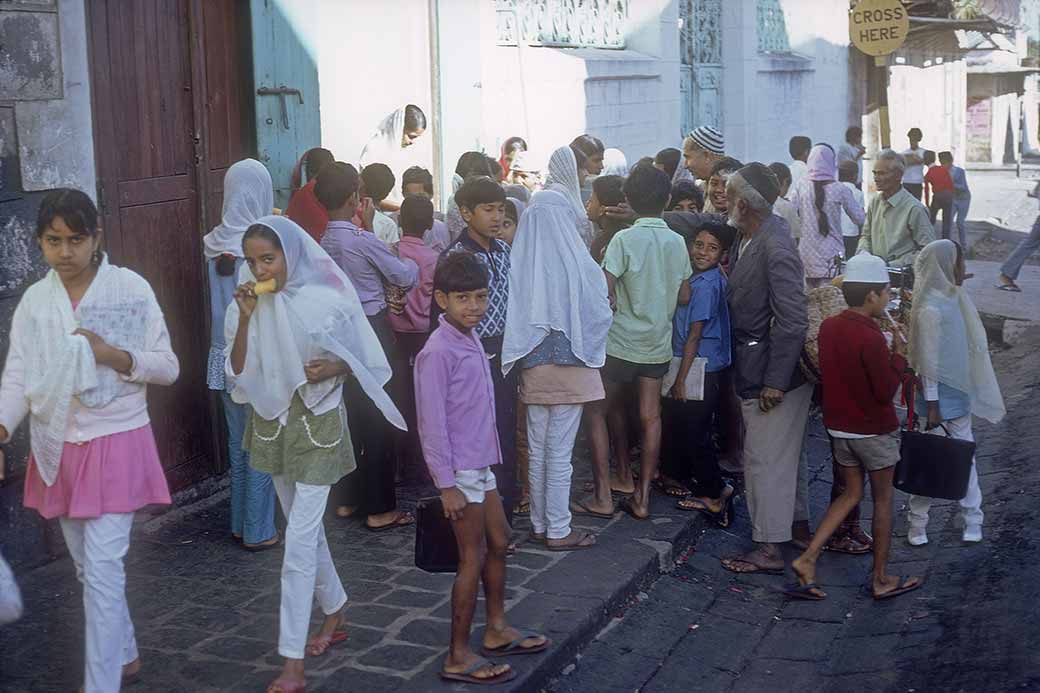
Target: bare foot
291,680
760,560
891,585
273,541
575,540
495,638
394,518
460,665
346,510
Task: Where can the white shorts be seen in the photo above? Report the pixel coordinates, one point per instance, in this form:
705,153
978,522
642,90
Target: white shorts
474,483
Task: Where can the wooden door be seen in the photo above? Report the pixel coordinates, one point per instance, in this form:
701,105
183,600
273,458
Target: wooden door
285,77
157,180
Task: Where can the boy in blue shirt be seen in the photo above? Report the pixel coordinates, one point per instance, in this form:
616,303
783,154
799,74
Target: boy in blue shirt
699,329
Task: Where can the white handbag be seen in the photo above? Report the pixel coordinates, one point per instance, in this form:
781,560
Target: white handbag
694,379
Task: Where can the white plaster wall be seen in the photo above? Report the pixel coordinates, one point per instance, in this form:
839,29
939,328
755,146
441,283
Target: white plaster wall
933,99
373,58
767,100
56,137
629,98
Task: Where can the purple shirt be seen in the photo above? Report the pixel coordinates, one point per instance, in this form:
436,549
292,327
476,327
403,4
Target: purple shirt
368,263
416,315
455,403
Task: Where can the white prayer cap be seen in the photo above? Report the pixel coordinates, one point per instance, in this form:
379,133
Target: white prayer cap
867,269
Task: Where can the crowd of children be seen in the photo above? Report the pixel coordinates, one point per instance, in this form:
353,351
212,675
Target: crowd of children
364,337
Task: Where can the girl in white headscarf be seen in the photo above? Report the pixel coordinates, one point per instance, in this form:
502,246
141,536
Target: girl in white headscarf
248,195
566,176
557,320
288,354
614,163
950,354
392,144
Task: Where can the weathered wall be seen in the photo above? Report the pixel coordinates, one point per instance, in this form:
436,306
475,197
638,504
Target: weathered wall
44,143
770,97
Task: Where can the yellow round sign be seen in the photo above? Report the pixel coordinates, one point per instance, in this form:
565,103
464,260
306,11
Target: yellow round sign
878,27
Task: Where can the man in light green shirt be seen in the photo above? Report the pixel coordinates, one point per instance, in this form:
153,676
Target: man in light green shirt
647,268
897,224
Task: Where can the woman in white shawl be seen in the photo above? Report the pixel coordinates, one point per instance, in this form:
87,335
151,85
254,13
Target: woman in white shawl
288,354
950,354
614,163
85,342
567,176
248,195
393,144
557,319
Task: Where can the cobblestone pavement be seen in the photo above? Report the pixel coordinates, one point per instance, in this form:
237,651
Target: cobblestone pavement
206,612
969,628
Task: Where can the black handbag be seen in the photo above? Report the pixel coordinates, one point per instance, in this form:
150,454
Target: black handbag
931,465
436,550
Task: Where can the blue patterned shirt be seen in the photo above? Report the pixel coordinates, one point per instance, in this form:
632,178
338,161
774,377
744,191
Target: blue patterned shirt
497,261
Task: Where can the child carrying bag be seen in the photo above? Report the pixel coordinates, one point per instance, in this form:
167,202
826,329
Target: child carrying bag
435,547
931,465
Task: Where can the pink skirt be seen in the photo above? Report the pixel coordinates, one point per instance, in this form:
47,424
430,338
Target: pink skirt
119,473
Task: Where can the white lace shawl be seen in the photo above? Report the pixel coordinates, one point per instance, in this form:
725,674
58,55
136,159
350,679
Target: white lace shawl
60,365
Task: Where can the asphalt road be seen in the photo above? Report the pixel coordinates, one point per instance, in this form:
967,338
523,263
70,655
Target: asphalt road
974,626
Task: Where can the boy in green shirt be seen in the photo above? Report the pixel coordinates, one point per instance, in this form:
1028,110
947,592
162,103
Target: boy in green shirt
647,269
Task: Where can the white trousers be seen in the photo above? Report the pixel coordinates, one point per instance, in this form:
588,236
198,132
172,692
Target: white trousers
98,546
551,430
971,504
307,568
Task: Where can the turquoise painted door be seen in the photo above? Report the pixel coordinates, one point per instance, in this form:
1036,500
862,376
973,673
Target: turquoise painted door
285,78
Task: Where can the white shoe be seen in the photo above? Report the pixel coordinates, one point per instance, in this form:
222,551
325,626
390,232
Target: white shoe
972,534
917,536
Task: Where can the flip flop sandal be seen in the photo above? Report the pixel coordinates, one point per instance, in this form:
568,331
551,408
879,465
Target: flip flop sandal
334,639
1013,288
625,506
902,589
799,591
263,546
515,647
405,519
672,490
721,518
468,677
580,508
580,544
754,567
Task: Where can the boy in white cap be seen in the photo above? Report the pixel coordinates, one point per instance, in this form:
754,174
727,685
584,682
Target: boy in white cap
860,375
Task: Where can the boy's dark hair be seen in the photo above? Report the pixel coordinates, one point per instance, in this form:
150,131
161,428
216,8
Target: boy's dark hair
609,190
460,271
723,232
856,293
669,158
781,171
645,161
73,206
416,215
726,165
848,172
946,156
929,157
379,181
854,132
417,174
798,146
915,134
647,190
686,190
472,164
511,211
261,231
479,190
316,159
336,183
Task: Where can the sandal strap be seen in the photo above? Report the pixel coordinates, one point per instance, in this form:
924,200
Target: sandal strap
478,665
